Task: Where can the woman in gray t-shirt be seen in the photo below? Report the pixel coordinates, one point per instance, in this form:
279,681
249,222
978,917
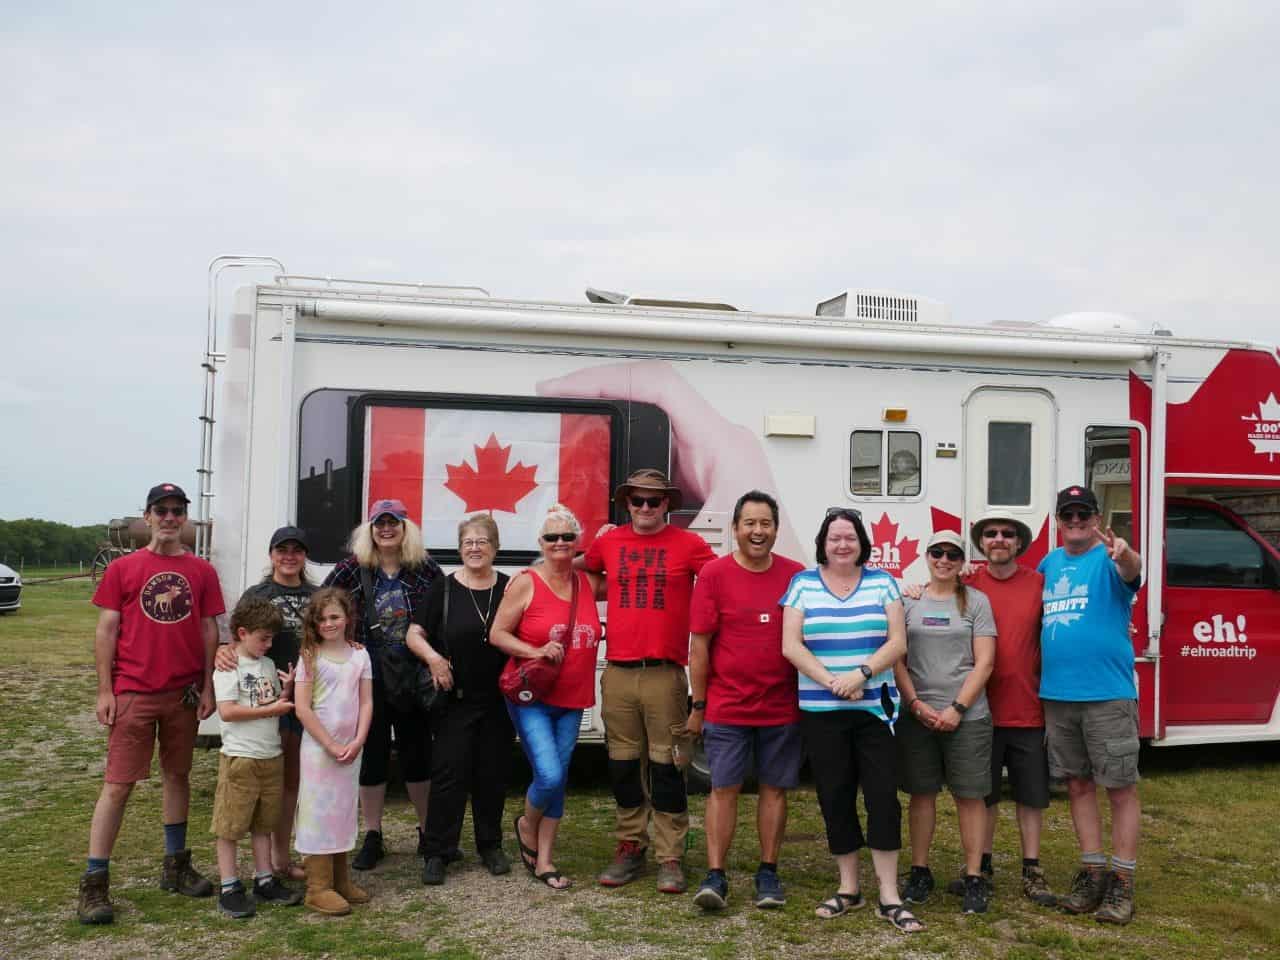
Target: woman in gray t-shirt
944,733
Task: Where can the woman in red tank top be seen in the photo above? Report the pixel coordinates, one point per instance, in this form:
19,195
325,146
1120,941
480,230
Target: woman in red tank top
533,621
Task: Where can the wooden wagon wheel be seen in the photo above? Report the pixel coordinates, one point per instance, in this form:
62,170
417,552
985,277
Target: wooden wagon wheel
100,561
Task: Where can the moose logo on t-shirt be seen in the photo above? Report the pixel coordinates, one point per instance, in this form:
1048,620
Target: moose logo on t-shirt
166,598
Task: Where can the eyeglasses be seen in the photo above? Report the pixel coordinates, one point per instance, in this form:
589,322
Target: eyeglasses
556,537
476,542
387,520
938,553
1075,516
652,502
168,511
841,511
990,533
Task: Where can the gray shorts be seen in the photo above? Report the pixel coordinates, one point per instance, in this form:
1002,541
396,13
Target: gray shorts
961,759
1095,741
777,752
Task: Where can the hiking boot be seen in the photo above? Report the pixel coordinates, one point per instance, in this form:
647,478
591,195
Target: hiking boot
342,881
1036,888
1117,904
496,861
178,876
94,906
956,886
713,892
976,895
769,892
235,903
274,892
321,897
628,862
371,851
433,871
919,885
1088,887
671,877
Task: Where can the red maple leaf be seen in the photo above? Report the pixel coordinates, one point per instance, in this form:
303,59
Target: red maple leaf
490,485
887,551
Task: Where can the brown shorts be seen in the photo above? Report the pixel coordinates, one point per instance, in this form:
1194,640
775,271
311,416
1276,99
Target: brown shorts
140,718
248,796
1095,741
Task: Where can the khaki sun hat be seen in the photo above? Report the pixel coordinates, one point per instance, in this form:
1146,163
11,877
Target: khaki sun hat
1024,532
648,480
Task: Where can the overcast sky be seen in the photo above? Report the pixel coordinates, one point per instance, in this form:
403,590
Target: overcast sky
1014,160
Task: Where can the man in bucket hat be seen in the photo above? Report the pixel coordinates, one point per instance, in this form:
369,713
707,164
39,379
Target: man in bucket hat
651,567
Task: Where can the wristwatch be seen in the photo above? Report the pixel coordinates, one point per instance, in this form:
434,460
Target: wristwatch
866,671
699,705
958,707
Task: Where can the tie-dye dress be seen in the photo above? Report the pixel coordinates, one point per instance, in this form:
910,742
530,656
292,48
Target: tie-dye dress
328,791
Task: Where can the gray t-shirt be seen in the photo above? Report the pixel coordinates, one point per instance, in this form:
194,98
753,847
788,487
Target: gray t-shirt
940,647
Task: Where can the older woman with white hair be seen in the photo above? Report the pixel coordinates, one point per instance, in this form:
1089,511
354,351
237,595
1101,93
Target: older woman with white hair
387,574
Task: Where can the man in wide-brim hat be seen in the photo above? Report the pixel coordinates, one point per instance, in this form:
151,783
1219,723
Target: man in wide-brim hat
651,567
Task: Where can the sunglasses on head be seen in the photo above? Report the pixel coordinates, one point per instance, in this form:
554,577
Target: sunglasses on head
990,533
168,511
556,537
842,511
939,552
651,502
1075,516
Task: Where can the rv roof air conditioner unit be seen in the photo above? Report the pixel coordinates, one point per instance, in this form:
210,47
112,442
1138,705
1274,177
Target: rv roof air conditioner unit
622,299
884,305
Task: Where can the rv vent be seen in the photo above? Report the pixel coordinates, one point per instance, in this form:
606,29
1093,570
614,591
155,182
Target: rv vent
622,299
884,305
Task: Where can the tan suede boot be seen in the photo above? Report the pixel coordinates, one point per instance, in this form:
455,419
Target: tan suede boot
321,897
342,880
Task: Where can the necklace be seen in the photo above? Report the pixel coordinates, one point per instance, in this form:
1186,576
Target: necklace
488,606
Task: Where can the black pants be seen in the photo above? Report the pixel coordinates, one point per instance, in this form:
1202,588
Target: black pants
413,743
849,749
472,753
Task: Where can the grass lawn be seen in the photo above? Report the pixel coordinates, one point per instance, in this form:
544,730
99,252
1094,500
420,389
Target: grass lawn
1209,870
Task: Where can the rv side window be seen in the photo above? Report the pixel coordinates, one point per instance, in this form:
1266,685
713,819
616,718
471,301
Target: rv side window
884,463
1108,470
1008,464
1205,549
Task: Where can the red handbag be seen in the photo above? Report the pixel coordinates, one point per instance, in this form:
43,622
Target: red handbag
526,680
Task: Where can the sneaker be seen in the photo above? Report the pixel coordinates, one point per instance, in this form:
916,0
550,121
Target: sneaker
496,861
274,892
769,892
919,885
1088,887
628,862
713,892
976,897
94,905
956,886
1036,888
433,871
1117,903
235,903
178,876
671,877
371,851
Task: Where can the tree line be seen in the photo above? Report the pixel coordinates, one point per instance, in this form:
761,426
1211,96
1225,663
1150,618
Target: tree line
42,543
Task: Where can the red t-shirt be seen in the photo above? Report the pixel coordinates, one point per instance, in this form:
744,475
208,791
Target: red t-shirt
749,681
650,582
1013,692
162,602
547,619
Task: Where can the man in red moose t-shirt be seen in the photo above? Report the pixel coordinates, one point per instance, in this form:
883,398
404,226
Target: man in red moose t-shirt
154,647
651,567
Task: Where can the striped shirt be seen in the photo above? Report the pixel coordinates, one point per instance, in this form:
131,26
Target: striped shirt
843,635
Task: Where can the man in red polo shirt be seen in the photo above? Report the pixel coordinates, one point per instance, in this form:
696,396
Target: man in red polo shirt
746,690
651,567
154,648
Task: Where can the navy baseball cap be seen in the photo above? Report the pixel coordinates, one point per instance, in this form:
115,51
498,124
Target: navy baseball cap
162,490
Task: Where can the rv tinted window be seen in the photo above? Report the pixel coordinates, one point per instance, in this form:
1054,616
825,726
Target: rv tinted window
884,462
904,464
1008,464
864,463
1204,549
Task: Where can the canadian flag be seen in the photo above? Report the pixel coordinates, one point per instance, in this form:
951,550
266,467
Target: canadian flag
447,464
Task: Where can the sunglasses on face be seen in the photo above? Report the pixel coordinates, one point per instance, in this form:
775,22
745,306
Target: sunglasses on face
169,511
992,532
556,537
938,553
651,502
1075,516
386,521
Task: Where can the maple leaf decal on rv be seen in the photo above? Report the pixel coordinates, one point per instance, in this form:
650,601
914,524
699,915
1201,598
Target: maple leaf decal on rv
490,485
889,553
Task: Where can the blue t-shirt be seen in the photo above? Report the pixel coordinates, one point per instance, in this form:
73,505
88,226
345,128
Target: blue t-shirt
843,635
1085,648
391,608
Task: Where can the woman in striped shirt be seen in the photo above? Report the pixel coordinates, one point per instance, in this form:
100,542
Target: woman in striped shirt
843,628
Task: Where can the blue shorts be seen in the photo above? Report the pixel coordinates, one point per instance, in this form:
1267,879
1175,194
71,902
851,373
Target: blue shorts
776,750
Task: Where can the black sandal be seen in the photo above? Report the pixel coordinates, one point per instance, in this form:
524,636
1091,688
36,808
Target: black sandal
553,875
528,857
838,904
903,920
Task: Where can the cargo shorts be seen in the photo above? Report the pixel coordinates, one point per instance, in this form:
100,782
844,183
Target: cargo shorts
248,797
1095,741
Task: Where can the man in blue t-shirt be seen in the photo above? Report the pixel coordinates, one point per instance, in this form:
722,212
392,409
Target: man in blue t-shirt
1090,699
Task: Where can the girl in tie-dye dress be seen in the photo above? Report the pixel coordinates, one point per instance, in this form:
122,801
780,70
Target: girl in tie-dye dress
334,702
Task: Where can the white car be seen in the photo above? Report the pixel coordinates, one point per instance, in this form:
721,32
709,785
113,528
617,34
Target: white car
10,589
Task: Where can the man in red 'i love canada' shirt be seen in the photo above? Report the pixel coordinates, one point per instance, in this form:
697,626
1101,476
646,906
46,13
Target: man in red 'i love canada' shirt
651,567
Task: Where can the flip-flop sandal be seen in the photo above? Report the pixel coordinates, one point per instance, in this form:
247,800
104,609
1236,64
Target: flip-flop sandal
903,920
553,875
528,857
838,904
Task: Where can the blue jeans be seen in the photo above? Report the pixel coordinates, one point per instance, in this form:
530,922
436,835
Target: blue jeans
548,735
